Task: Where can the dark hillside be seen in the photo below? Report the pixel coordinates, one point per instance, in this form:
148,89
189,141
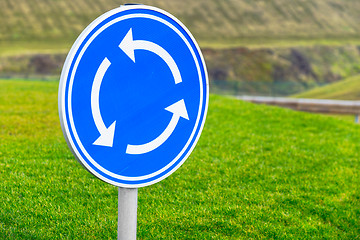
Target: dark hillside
271,71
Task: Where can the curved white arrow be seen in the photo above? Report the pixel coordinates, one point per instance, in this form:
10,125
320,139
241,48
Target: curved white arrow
128,45
106,133
179,110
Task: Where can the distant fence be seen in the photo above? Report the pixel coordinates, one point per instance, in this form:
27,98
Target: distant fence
260,88
30,77
310,105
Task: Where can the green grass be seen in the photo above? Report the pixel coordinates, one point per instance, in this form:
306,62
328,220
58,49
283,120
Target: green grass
33,46
348,89
258,172
15,48
278,42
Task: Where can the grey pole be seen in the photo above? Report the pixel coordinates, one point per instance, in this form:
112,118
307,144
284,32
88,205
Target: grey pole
357,118
127,213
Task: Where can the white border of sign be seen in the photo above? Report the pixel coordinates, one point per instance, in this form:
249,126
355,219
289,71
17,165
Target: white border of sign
62,95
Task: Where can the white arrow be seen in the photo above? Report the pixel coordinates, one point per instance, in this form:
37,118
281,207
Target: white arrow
179,110
128,45
106,133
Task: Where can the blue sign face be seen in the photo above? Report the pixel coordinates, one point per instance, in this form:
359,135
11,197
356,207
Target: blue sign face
133,96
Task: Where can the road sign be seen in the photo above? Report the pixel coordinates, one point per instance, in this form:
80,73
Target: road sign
133,96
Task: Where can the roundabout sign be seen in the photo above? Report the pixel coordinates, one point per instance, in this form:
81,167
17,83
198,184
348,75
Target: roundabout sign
133,96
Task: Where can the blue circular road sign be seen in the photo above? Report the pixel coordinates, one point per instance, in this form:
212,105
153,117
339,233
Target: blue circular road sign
133,96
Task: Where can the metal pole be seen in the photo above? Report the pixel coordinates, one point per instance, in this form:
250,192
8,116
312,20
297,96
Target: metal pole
357,118
127,213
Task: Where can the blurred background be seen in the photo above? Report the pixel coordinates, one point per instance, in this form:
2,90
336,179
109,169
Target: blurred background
268,48
257,172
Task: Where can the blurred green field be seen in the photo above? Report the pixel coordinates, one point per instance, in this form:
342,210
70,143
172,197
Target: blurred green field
258,172
44,25
348,89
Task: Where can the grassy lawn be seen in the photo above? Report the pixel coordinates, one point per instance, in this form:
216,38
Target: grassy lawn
258,172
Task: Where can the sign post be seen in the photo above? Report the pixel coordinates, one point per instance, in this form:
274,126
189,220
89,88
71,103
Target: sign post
127,213
133,98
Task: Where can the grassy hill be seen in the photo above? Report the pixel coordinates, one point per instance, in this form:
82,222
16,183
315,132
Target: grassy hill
54,25
348,89
258,172
275,47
